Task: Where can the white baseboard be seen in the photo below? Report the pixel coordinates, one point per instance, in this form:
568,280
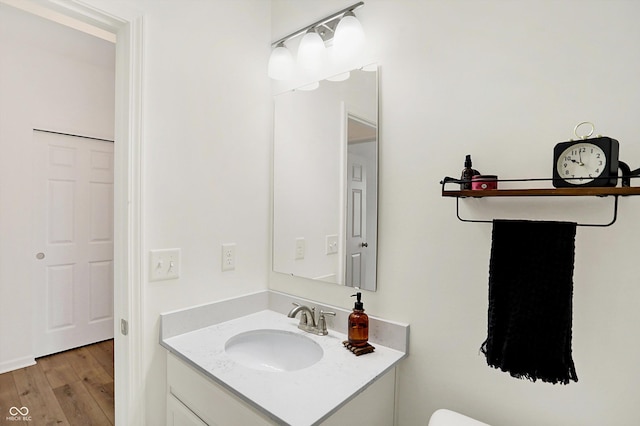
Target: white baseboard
17,363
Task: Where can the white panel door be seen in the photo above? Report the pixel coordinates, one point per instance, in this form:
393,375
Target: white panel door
356,244
73,231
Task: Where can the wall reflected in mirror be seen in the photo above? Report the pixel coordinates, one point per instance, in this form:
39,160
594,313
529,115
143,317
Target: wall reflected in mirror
325,181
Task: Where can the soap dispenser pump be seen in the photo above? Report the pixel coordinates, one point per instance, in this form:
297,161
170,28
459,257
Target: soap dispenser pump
358,324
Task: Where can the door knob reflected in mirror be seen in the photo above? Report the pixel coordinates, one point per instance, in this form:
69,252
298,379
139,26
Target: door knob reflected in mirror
365,245
40,256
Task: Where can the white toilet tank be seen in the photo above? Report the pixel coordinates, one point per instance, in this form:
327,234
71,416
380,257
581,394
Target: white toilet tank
443,417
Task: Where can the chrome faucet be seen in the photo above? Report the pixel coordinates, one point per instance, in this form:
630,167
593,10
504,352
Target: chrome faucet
304,318
308,319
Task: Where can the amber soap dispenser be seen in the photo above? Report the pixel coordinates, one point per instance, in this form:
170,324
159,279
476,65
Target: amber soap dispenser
358,324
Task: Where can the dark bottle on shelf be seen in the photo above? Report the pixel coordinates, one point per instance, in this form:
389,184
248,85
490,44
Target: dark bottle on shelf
467,174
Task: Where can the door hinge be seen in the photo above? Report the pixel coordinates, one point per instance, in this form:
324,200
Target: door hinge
124,327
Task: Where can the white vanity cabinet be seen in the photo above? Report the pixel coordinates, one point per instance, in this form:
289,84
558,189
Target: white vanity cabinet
195,400
211,385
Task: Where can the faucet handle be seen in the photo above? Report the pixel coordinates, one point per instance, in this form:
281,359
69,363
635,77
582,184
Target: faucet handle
311,323
322,323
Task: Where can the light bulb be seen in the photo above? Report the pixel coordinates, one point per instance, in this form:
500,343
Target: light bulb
340,77
309,87
280,63
312,54
349,36
370,67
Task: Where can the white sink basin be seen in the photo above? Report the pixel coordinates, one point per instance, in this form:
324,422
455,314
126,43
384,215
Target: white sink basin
273,350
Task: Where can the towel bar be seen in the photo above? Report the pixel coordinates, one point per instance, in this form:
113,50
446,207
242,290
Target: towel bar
599,225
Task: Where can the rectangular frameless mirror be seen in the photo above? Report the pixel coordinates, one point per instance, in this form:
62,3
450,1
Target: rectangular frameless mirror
325,181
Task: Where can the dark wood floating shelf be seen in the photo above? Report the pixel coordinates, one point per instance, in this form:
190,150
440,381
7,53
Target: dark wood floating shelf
544,192
615,192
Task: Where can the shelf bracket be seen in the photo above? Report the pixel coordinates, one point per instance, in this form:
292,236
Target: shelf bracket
596,225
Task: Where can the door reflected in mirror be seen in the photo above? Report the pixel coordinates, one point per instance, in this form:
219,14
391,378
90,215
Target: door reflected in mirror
325,182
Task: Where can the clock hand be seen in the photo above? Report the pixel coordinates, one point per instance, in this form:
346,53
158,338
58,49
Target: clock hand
580,163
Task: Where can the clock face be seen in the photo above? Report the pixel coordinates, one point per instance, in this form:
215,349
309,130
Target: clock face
589,163
581,163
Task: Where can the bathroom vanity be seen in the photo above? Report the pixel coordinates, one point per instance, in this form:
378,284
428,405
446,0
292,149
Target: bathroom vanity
218,374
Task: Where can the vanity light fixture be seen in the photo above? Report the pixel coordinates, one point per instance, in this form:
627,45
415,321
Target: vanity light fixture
312,53
281,63
348,36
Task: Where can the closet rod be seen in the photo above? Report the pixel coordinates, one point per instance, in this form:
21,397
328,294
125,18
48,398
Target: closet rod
71,134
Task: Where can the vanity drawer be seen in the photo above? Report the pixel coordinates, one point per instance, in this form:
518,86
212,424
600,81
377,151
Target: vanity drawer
179,414
210,402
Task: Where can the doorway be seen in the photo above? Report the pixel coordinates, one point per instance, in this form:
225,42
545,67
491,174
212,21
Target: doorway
361,203
127,25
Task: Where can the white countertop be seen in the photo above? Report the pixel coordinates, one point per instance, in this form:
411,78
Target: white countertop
303,397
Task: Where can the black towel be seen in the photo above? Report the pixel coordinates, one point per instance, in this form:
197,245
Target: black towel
530,300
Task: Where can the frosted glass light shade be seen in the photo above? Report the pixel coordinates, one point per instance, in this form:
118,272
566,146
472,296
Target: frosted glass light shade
370,67
310,86
340,77
312,54
349,36
280,63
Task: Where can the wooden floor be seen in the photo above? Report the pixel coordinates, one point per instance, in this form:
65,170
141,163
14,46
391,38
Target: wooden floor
69,388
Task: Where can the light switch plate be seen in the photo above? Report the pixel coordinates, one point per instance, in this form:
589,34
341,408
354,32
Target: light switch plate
331,244
164,264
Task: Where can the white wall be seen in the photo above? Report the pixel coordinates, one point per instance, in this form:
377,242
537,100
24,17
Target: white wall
307,156
206,140
53,78
503,81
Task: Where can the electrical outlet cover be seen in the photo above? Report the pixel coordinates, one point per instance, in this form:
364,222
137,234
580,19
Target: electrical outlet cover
300,248
229,257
